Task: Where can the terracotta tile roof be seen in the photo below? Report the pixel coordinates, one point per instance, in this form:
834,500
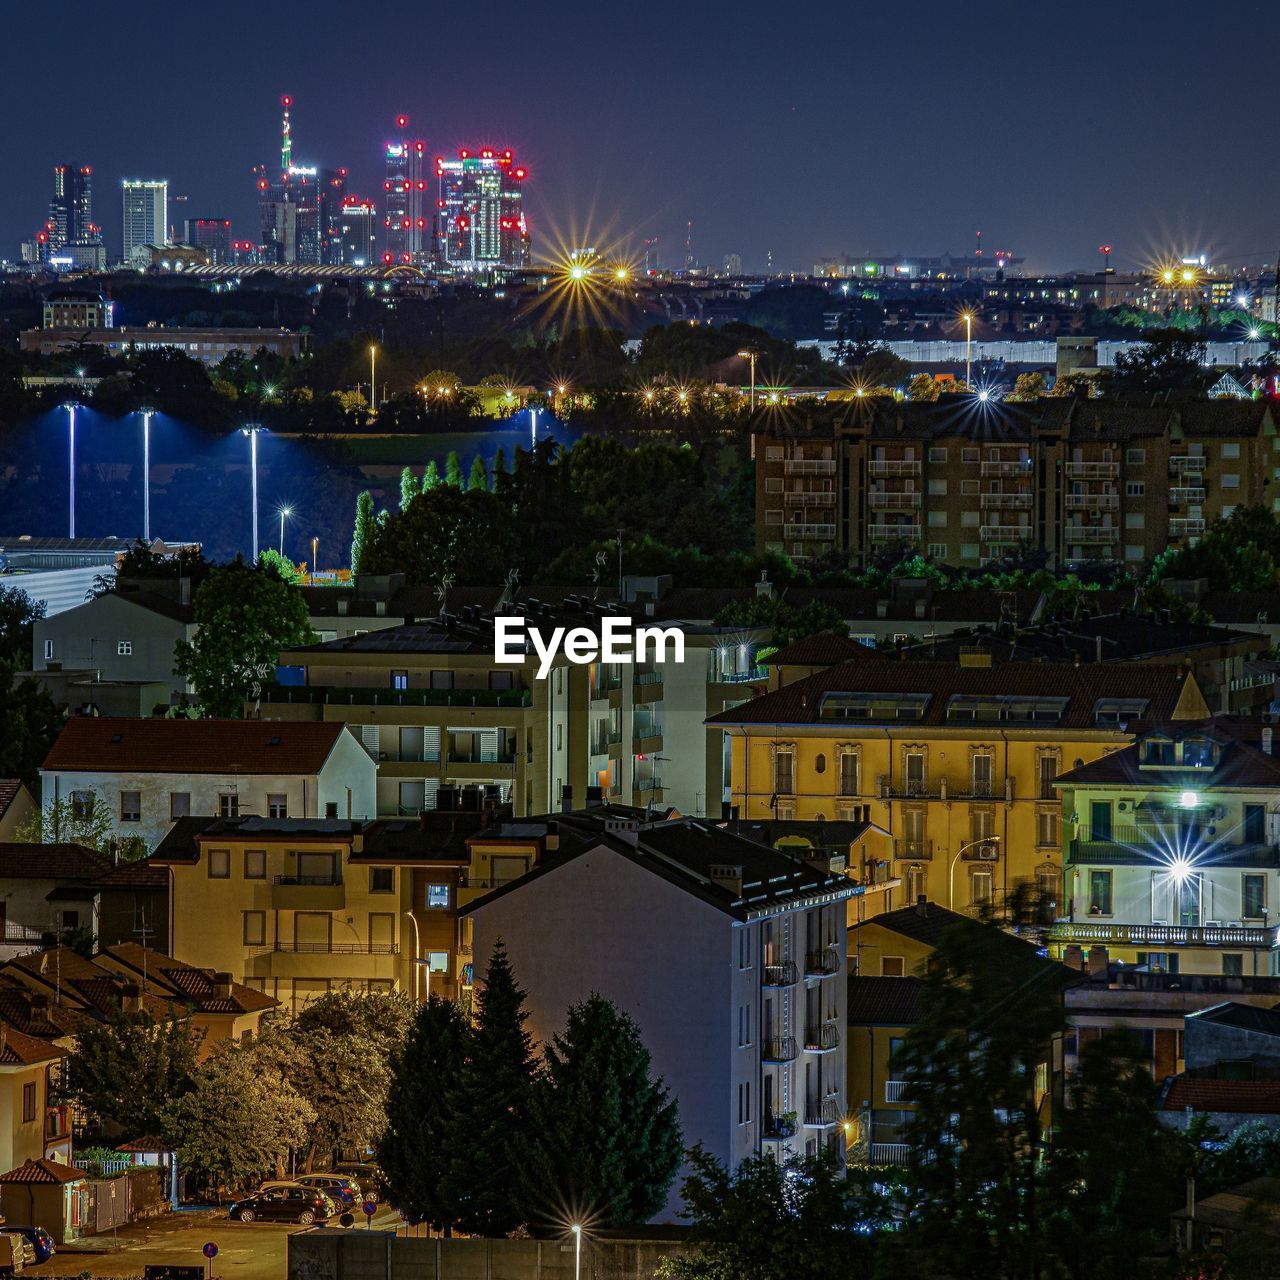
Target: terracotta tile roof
801,702
104,743
19,1050
9,788
185,982
1230,1097
49,1172
20,860
142,875
816,651
887,1002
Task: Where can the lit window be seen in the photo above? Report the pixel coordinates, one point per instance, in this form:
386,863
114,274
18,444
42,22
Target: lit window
124,648
437,895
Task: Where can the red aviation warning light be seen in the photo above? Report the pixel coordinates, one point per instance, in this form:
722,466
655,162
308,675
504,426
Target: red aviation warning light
386,257
464,154
419,147
402,122
520,174
286,101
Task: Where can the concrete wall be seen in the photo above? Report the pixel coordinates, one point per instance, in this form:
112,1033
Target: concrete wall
377,1255
1207,1043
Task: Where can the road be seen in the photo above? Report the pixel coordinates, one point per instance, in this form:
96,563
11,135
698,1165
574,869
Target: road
246,1250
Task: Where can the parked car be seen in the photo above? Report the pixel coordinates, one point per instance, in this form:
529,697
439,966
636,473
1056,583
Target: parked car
284,1203
368,1177
37,1238
336,1186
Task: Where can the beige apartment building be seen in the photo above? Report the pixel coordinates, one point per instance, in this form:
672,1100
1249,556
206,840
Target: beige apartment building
968,482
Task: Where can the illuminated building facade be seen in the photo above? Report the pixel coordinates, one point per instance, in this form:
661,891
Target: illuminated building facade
406,229
480,211
212,235
146,214
71,209
357,232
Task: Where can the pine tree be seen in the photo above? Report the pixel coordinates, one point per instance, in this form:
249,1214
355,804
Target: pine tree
479,477
603,1134
499,465
413,1152
489,1120
363,530
430,477
408,488
453,469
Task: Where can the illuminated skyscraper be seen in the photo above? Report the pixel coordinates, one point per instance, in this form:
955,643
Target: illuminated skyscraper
71,209
405,226
146,214
213,235
358,232
480,211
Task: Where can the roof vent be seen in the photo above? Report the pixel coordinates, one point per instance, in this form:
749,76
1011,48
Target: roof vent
728,875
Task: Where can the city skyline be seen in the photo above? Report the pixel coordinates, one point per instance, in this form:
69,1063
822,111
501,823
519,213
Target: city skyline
630,134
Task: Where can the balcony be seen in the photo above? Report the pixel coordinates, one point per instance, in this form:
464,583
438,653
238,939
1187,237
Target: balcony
905,532
1017,467
893,501
409,757
810,498
308,893
897,1154
916,850
328,949
1182,495
1006,501
778,1126
779,1049
822,1113
1168,935
1092,501
888,467
779,975
796,529
910,788
822,1037
809,467
824,962
1091,470
1153,843
482,757
1094,535
896,1091
1005,532
1182,527
1184,463
345,695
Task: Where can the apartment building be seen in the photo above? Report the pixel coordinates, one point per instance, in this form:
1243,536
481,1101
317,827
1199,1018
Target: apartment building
955,762
966,482
1171,850
435,708
296,907
752,1048
151,772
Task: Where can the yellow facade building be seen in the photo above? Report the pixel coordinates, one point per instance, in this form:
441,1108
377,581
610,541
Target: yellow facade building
953,762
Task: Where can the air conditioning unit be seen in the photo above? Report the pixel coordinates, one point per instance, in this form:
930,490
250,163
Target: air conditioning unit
988,852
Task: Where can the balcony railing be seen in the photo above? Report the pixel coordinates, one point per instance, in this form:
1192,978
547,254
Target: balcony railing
910,788
822,1037
896,1091
1167,935
776,1127
1006,501
1153,842
333,878
779,1049
1005,532
1076,535
1017,467
823,962
810,498
1181,527
1092,470
894,501
820,1113
780,975
893,467
921,850
1181,463
809,467
1180,494
409,757
798,530
482,757
906,532
344,695
1093,501
329,949
891,1153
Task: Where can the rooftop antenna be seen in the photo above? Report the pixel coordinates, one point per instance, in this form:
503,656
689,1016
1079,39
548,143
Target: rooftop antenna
144,932
508,590
442,594
286,139
597,573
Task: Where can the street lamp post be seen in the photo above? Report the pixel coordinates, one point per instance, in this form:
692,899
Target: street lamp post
968,347
533,426
577,1250
373,375
71,451
750,354
147,415
951,872
285,513
252,432
315,552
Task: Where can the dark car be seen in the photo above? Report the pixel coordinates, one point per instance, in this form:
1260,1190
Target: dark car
39,1239
304,1205
366,1176
337,1186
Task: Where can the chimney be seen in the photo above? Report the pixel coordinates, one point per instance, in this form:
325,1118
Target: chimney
222,986
131,998
1267,733
727,877
1073,957
922,905
1097,647
566,798
1097,959
595,797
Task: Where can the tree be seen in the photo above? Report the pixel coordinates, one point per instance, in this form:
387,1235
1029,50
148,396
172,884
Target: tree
365,525
18,616
128,1069
240,1118
29,723
770,1220
281,566
1170,360
244,616
603,1134
414,1150
479,477
1078,384
70,821
1027,386
923,387
408,487
453,469
883,369
381,1017
499,465
489,1127
430,477
989,1011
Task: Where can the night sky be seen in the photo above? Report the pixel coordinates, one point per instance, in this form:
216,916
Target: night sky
805,129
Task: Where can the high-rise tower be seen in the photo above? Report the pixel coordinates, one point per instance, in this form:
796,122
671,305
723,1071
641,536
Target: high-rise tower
406,230
480,211
71,209
146,214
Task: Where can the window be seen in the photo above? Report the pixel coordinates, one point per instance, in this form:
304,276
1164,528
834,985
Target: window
968,455
1135,457
1134,489
981,882
1230,450
1099,893
437,895
937,519
179,804
937,455
331,809
937,550
255,864
219,864
744,949
131,806
1255,824
744,1102
255,928
1231,482
228,804
848,773
938,488
124,648
744,1025
48,650
1135,520
893,967
399,679
277,806
784,773
982,769
1255,897
915,882
1048,885
382,879
438,961
969,487
1047,768
28,1102
82,805
1233,961
773,453
1047,828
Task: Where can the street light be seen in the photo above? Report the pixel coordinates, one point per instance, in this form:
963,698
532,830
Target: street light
373,374
285,513
951,873
252,431
315,552
967,316
577,1250
750,354
533,426
147,415
71,407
